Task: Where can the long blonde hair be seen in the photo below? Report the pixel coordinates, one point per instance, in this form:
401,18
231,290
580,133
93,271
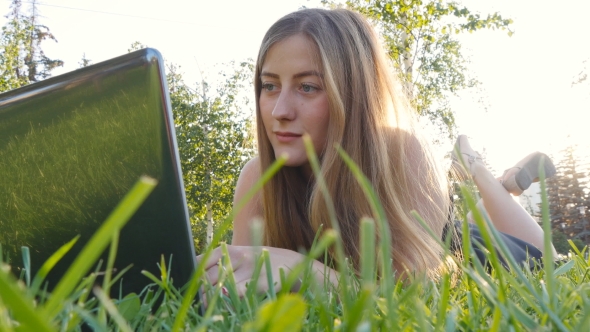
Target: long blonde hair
371,120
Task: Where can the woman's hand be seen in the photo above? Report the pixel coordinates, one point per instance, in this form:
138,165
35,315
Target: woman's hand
243,261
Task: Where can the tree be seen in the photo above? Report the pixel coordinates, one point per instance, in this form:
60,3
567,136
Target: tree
561,244
135,46
214,143
582,76
420,39
23,61
84,62
568,197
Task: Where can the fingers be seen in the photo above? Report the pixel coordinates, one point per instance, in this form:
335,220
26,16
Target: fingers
213,258
212,274
242,260
238,256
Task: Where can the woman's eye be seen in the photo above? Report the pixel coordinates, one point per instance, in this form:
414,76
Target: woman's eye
308,88
268,86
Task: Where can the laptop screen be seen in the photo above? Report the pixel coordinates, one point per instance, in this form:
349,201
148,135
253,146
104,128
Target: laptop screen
72,146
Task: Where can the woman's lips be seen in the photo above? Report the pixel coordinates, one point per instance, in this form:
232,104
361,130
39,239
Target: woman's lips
286,137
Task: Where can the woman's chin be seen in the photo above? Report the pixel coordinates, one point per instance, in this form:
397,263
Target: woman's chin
293,161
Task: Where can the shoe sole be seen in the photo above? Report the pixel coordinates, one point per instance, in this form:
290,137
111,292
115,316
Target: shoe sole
529,172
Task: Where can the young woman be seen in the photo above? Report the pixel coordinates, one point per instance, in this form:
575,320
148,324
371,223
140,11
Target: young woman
323,73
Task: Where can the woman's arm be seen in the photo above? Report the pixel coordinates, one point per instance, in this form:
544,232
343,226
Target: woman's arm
242,254
243,259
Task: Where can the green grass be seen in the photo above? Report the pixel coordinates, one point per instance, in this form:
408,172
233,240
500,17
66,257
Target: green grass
554,298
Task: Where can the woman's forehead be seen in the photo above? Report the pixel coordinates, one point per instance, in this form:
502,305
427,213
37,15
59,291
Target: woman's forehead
294,52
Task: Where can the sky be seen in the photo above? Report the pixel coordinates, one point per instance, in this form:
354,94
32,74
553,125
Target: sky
526,79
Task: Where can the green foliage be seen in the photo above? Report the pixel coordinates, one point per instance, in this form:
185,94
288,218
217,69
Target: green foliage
284,314
214,142
23,61
420,37
579,244
560,243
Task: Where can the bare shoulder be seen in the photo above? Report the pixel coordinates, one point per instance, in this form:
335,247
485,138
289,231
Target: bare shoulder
251,171
250,174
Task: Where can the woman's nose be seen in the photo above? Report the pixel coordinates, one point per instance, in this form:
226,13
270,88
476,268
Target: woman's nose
284,109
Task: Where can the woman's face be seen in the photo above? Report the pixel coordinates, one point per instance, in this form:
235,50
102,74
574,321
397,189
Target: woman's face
293,100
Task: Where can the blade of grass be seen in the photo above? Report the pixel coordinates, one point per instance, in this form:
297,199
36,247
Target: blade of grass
231,282
50,263
496,319
192,289
95,246
443,302
82,292
164,277
360,306
304,268
327,240
212,302
252,287
120,274
451,319
367,251
27,264
5,322
564,268
20,305
340,256
483,229
89,319
269,279
75,318
108,274
467,249
104,300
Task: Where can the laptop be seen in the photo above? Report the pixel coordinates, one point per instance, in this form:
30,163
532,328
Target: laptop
71,147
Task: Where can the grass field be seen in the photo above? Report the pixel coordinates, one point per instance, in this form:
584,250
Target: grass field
556,297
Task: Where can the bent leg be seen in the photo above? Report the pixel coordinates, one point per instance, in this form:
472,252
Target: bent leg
505,213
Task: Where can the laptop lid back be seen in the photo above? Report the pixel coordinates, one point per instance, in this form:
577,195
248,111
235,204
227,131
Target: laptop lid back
72,146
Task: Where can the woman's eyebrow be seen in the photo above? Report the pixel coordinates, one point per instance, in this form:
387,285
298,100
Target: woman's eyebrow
309,73
267,74
298,75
